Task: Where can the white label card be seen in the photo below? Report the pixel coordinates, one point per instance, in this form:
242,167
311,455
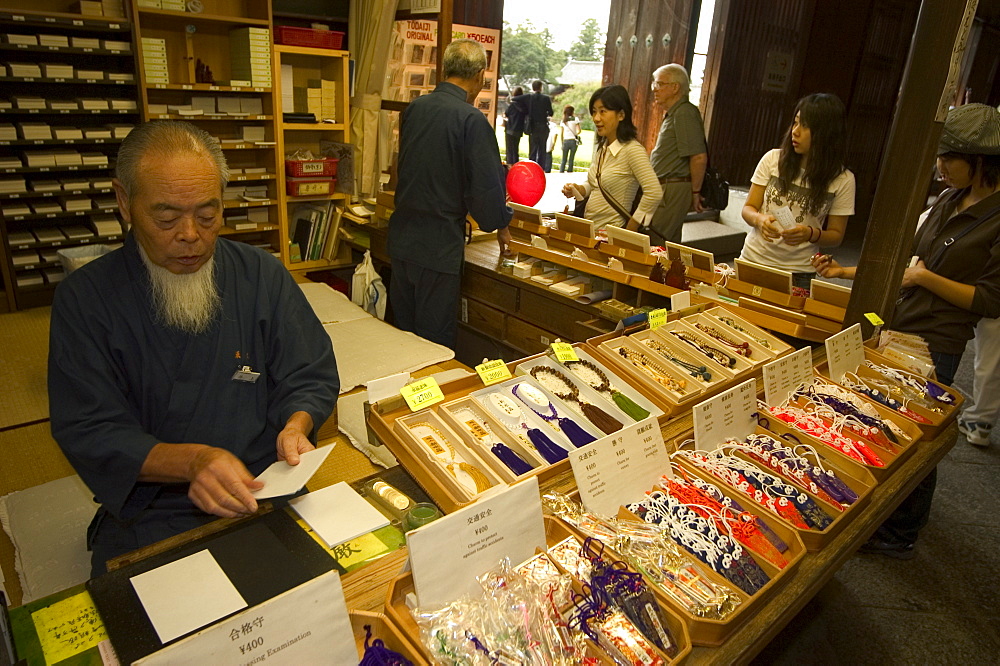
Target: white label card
680,301
728,415
783,214
447,556
785,375
620,468
305,625
845,351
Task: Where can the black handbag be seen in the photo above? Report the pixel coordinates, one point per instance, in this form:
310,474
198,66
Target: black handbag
715,189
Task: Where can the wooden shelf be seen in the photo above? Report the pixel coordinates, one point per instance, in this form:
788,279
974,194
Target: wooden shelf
251,176
58,142
318,197
207,87
63,49
60,215
69,112
310,51
57,169
191,17
229,231
313,127
227,205
71,80
57,193
65,20
192,119
319,264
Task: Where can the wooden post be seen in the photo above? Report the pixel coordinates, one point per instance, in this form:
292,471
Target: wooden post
445,17
927,87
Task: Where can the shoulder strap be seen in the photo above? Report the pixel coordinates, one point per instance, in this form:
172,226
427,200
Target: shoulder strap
936,257
607,195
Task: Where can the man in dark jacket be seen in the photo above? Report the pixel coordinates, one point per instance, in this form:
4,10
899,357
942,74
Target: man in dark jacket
515,115
539,110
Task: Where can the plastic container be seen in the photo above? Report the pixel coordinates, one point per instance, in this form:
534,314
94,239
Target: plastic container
320,39
73,258
324,167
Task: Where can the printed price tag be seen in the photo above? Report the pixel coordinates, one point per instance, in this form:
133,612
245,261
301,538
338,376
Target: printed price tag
729,414
422,393
845,352
492,372
874,319
657,318
621,467
785,375
564,352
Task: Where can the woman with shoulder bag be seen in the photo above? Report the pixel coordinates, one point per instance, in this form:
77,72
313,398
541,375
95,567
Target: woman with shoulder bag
619,168
569,129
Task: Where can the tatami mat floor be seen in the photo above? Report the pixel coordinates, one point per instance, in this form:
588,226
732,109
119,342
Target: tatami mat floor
24,348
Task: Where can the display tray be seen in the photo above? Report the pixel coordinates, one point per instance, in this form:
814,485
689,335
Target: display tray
892,461
711,632
384,629
673,400
555,532
774,323
431,478
763,293
856,477
938,420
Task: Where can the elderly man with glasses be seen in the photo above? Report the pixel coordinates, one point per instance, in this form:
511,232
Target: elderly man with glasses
680,155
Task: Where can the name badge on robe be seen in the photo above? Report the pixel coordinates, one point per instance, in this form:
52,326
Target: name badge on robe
246,374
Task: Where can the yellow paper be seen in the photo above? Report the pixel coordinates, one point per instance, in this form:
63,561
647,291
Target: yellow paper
874,319
422,393
492,372
657,318
564,352
68,627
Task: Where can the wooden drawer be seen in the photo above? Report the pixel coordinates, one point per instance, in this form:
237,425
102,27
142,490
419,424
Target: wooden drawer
528,337
483,318
487,289
557,315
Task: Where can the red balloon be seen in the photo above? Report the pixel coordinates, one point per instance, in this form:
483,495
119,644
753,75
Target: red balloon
526,183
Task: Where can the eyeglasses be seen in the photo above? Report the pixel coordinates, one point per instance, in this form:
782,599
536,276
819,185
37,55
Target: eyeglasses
656,85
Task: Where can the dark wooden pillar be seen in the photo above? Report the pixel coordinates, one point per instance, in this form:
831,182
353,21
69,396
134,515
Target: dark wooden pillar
444,33
937,45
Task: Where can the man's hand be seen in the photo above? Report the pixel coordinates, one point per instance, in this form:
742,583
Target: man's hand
293,440
697,202
503,240
221,484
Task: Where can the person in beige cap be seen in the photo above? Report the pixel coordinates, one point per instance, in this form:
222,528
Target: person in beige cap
953,282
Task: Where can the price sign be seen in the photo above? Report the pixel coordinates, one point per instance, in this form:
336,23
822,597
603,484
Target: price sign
874,319
657,318
845,352
422,393
492,372
680,300
727,415
620,468
786,374
564,352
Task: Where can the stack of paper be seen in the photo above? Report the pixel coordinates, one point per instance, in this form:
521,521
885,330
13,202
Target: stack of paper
27,70
7,132
29,102
121,76
72,205
35,131
100,184
85,42
90,104
250,51
25,40
50,235
232,192
124,104
89,7
68,158
15,208
67,133
205,104
253,133
97,133
35,160
77,183
337,514
252,105
30,279
77,232
120,131
27,258
54,275
116,45
287,87
260,215
11,185
150,4
45,185
48,254
255,192
105,203
63,104
61,41
240,223
94,159
105,225
154,60
229,105
46,207
10,162
20,239
55,70
174,5
90,74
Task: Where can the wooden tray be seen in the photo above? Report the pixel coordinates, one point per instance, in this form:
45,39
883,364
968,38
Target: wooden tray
382,627
555,532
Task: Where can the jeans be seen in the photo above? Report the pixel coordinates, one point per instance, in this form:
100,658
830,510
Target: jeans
904,524
568,155
803,280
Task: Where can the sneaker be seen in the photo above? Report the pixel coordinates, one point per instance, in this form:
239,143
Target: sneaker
976,432
899,551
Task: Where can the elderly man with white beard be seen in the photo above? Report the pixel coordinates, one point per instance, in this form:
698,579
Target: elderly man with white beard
182,364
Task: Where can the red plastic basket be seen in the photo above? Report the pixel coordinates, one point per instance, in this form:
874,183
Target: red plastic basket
323,167
319,39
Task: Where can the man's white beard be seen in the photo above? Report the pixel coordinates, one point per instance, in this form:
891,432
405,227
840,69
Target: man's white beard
186,301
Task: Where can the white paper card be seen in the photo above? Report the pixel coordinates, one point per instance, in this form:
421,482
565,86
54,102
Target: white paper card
380,389
680,300
308,624
783,214
186,595
620,468
447,555
785,375
729,414
337,513
845,351
284,479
